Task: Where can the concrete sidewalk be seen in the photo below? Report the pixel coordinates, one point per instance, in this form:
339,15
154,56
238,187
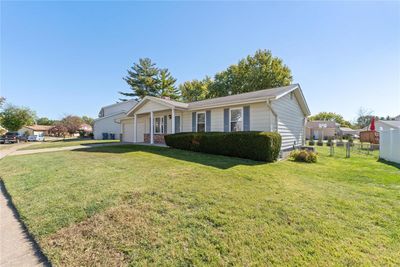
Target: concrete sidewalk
16,246
67,148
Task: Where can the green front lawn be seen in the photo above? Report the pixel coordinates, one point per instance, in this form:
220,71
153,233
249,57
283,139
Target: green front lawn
140,205
67,142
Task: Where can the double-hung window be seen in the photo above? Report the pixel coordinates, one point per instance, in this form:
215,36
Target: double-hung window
201,122
159,125
236,119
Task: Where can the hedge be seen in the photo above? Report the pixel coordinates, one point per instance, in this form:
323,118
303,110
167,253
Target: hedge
261,146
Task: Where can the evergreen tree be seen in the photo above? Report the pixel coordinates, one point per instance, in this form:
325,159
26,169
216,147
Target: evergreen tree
166,85
142,79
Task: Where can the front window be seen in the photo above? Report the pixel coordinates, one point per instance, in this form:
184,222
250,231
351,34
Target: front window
201,122
236,120
159,125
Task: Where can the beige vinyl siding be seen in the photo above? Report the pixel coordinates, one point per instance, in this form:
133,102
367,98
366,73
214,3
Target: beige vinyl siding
151,106
290,121
259,117
217,120
186,121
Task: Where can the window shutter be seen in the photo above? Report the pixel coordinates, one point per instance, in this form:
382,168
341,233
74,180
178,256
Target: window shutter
165,124
246,118
226,120
208,121
177,124
193,121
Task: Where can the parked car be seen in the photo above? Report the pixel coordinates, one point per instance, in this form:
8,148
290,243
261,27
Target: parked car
10,137
33,138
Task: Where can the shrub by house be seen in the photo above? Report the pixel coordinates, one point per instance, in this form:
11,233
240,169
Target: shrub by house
261,146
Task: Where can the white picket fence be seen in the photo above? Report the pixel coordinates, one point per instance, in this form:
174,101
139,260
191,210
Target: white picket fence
389,145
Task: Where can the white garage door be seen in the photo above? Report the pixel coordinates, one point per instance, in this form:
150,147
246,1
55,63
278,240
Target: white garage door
127,134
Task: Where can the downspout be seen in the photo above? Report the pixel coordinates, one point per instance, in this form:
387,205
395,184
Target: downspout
269,105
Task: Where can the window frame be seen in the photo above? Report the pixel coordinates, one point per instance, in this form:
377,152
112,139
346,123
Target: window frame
197,121
230,118
161,125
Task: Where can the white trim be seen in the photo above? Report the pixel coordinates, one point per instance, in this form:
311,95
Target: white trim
135,128
108,116
205,120
241,116
172,121
151,127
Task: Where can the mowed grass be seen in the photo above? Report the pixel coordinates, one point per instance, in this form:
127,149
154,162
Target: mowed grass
67,142
140,205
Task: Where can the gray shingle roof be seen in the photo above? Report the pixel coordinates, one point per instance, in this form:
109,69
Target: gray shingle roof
394,124
267,93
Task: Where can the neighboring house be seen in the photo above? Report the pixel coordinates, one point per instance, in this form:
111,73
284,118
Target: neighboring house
107,117
348,131
321,129
282,109
38,130
383,125
397,118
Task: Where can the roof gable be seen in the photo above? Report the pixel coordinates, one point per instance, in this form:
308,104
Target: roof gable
260,95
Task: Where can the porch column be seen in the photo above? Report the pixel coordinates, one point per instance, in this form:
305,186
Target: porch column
151,127
173,121
134,128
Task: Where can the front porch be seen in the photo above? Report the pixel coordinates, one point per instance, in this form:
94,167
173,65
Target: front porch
151,127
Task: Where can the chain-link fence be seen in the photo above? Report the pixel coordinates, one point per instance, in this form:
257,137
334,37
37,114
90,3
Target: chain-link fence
348,150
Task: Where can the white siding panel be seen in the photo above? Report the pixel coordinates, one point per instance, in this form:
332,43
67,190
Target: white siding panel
290,121
123,106
107,125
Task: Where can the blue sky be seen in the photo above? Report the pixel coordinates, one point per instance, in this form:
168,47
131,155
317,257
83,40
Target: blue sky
69,57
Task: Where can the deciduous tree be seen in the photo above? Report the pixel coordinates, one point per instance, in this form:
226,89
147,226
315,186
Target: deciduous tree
195,90
331,116
13,117
72,123
257,72
44,121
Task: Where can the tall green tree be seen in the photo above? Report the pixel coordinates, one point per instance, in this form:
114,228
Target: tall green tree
195,90
166,85
44,121
13,117
142,79
88,120
255,72
330,116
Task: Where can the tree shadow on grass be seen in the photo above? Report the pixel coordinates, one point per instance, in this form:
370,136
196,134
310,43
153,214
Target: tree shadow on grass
216,161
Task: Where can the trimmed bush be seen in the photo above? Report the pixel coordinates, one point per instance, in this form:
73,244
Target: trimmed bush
311,143
261,146
304,156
